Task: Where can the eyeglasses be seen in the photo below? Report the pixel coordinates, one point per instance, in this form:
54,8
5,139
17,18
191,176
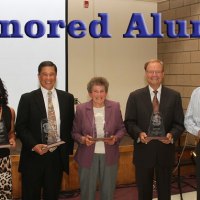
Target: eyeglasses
152,72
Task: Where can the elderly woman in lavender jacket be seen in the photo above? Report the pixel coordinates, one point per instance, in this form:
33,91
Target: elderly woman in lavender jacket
98,128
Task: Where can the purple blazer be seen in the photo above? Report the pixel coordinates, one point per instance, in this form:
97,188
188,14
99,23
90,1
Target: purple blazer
84,125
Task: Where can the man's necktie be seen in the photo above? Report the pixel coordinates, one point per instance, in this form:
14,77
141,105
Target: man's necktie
52,132
155,102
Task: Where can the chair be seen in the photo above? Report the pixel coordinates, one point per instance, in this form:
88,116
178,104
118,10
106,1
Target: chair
185,148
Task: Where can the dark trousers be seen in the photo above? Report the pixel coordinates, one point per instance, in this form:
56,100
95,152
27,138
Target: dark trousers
144,180
42,177
198,170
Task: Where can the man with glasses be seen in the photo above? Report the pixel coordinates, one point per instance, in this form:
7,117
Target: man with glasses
156,110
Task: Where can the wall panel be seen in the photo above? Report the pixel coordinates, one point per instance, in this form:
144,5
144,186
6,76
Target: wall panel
118,59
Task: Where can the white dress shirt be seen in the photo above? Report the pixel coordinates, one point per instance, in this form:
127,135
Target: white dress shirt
152,93
192,115
55,105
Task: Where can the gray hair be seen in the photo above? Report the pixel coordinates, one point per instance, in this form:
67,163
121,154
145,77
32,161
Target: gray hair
154,61
97,81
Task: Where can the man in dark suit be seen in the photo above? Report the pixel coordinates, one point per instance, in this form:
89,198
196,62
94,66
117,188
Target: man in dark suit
41,167
155,157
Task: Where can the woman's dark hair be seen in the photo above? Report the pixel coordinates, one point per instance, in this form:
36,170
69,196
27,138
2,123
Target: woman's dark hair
3,94
46,64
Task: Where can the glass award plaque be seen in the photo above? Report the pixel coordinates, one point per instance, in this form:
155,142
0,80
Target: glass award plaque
99,131
53,146
101,137
156,129
49,135
44,130
4,140
98,126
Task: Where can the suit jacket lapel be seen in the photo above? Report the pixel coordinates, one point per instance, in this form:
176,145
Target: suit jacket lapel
90,114
107,112
163,99
40,102
61,104
147,99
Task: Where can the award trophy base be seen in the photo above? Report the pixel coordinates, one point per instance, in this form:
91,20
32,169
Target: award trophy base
104,139
161,138
56,144
5,146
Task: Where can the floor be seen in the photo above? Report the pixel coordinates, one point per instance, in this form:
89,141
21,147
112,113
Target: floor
129,192
186,196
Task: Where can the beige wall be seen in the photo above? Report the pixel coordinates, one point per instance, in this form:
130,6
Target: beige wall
181,56
119,59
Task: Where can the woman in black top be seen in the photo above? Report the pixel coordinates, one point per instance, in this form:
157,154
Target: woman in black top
7,140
